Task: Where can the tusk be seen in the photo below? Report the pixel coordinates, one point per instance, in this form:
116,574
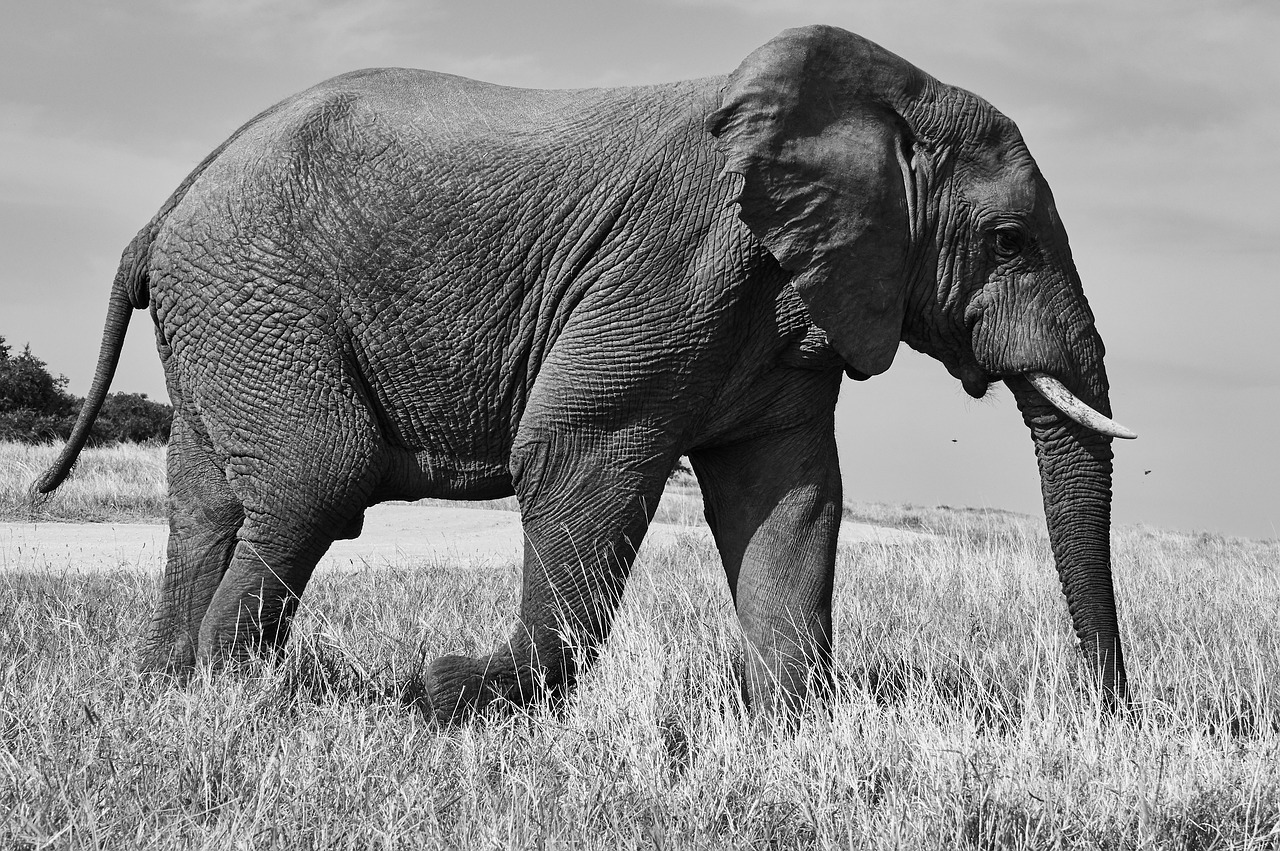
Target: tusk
1064,400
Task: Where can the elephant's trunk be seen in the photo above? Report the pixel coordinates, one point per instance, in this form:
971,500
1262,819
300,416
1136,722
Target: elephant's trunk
1075,479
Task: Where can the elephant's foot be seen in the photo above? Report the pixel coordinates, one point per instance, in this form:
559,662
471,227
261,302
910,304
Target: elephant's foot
459,688
171,660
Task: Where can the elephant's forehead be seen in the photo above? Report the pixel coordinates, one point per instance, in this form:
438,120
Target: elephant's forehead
1012,189
994,167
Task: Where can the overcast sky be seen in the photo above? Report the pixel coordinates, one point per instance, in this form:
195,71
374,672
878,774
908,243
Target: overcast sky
1157,122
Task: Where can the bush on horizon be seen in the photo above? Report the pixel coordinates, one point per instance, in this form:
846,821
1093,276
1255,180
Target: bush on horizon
35,407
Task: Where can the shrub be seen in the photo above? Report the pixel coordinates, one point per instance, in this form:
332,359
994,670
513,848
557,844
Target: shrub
35,407
132,418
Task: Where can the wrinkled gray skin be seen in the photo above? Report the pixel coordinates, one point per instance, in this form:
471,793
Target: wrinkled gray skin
402,284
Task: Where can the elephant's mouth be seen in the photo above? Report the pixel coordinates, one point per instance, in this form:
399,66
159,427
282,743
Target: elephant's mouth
973,378
975,384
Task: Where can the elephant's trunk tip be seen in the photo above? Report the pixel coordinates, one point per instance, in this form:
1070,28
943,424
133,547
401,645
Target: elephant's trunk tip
1065,401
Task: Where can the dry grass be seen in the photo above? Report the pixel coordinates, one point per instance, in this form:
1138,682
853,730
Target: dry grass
961,720
119,483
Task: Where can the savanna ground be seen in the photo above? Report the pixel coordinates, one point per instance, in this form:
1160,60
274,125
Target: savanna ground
961,719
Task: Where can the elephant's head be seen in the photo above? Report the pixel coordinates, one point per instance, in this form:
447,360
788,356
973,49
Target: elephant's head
906,209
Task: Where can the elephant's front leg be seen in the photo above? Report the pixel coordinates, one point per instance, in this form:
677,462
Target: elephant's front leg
774,505
586,498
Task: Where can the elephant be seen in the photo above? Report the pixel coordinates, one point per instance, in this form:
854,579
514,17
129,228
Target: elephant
402,284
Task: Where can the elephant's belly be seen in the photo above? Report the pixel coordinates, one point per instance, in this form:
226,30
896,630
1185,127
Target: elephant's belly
449,392
445,440
435,474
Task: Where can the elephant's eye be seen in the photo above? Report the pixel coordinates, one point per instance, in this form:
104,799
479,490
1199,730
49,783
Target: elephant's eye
1008,242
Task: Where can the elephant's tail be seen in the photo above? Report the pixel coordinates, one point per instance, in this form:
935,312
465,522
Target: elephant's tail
130,290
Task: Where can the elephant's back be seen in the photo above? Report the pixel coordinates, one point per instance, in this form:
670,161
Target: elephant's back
393,135
415,98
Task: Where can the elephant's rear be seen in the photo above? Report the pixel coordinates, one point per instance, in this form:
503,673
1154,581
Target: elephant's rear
130,290
284,281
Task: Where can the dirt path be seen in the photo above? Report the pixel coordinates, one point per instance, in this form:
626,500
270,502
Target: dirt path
395,534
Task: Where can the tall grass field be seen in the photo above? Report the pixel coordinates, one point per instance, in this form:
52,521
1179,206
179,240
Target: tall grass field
962,717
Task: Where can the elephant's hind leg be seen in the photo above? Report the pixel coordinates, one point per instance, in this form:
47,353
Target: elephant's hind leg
204,516
308,484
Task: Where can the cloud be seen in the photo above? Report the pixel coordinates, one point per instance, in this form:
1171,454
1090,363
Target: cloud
43,167
1195,374
1194,67
263,30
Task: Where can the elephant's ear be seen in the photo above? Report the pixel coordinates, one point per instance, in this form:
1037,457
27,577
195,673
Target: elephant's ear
811,122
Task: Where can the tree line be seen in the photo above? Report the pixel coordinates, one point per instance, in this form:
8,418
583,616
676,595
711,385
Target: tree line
35,407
